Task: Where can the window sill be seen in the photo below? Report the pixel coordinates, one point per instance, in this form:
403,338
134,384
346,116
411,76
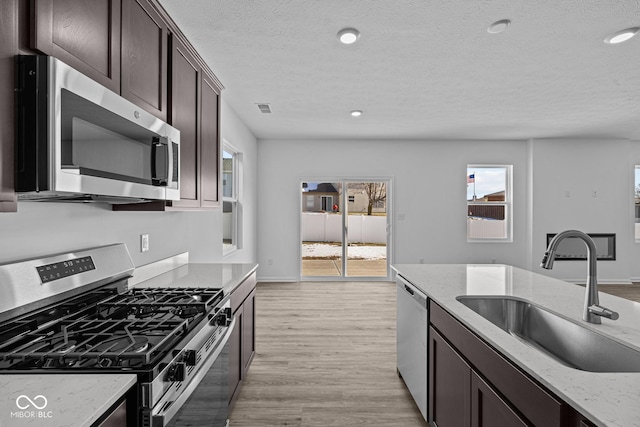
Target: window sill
228,250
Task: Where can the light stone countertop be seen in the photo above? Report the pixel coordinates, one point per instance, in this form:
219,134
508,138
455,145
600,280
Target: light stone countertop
607,399
59,400
202,275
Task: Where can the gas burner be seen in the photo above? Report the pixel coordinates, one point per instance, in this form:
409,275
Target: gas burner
120,344
64,347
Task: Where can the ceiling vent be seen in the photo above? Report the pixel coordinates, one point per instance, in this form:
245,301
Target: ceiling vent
264,108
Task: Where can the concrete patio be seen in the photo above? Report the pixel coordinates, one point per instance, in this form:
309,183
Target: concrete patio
333,268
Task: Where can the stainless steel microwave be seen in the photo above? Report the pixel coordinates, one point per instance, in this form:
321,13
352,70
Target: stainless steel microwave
77,140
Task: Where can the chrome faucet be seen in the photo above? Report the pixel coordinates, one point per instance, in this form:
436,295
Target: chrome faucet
592,310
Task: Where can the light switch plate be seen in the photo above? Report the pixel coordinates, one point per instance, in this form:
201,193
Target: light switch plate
144,242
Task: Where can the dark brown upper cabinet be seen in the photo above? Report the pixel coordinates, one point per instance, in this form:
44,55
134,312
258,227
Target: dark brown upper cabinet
144,56
135,49
8,48
210,145
195,98
83,34
186,80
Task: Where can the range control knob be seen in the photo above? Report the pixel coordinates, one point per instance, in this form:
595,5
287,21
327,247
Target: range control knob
190,357
222,319
177,372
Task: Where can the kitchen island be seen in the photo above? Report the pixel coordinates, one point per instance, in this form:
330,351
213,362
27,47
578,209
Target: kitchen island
604,399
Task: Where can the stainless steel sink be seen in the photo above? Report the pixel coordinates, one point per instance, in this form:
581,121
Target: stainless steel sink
566,341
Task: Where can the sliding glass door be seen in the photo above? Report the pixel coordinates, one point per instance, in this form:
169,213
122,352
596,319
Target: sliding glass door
344,228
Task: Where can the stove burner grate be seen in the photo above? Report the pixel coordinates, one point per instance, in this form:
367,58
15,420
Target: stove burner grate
184,303
103,343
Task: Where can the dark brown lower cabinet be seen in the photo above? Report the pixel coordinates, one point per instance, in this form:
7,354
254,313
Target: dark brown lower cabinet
488,408
449,384
242,344
472,385
248,330
117,417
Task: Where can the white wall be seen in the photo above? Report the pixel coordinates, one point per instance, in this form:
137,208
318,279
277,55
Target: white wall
42,228
427,185
428,189
634,254
206,227
565,175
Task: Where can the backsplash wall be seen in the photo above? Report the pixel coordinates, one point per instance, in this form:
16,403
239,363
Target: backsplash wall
42,228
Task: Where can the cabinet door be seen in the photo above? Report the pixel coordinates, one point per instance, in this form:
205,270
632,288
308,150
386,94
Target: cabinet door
210,144
83,34
185,102
248,332
8,48
449,384
144,56
488,409
235,357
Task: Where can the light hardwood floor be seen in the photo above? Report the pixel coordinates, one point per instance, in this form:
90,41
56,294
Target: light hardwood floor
325,356
631,292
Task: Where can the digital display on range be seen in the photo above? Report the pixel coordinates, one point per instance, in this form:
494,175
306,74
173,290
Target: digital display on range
62,269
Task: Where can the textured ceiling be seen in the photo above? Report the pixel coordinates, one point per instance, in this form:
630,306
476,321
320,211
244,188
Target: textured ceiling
422,69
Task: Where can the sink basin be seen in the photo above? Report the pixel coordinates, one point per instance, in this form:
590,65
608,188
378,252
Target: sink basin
569,342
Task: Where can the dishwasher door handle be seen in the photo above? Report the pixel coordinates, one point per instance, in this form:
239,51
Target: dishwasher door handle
408,289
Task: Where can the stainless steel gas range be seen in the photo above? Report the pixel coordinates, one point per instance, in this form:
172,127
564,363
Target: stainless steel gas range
73,313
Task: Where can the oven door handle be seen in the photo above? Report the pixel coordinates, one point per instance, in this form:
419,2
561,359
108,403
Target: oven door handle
167,412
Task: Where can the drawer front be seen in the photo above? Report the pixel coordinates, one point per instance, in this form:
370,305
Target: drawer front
242,292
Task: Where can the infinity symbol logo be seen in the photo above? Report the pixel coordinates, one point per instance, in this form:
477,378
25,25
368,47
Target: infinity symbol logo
22,398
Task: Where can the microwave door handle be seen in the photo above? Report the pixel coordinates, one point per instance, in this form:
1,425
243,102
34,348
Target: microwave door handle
160,161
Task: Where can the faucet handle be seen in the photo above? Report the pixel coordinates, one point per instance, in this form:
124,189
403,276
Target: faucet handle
603,312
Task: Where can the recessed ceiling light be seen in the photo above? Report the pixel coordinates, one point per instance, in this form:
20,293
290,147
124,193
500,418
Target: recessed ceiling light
356,113
348,35
498,26
622,36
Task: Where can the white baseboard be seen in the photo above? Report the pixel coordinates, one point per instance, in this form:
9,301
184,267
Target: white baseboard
276,279
604,281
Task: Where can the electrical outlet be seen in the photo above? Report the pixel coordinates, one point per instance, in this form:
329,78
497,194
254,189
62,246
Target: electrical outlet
144,242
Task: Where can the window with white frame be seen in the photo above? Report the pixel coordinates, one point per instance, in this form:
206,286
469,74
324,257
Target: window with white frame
489,216
636,203
230,199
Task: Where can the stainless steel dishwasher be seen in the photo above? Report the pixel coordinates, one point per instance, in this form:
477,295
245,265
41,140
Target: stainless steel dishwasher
411,334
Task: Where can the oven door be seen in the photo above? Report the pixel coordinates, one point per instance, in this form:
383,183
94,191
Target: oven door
205,400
